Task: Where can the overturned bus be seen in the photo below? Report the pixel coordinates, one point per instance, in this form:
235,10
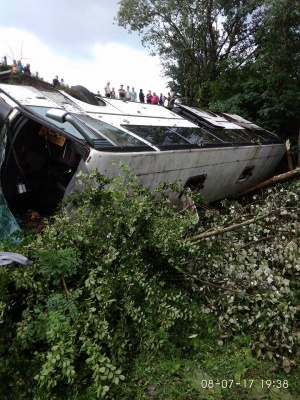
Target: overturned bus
48,136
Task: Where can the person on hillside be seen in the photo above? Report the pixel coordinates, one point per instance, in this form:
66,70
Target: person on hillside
63,84
172,99
155,99
107,90
133,94
55,81
141,96
149,97
166,102
14,67
20,67
121,93
128,94
161,100
113,93
27,69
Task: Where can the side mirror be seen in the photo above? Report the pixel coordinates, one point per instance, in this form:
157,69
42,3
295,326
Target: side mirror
63,116
57,114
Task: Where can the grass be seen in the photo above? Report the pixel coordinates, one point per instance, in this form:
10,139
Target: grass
209,371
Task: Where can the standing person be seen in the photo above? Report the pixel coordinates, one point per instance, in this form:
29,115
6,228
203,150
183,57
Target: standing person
113,93
27,69
149,97
121,93
161,100
155,99
172,98
19,66
14,67
128,94
107,90
141,96
133,94
55,81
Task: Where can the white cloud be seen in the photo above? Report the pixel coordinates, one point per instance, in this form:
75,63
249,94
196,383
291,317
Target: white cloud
118,63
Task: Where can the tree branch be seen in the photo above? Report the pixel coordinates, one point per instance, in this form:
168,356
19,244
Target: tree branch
220,231
65,286
227,289
275,179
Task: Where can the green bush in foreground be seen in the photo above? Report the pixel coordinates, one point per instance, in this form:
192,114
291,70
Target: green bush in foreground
104,287
123,276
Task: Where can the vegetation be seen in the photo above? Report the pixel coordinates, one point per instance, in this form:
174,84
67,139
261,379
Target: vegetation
231,56
128,298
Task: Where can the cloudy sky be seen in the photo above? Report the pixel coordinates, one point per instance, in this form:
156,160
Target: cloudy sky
78,41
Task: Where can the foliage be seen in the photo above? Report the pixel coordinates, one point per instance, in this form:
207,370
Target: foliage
122,279
103,288
259,267
191,37
266,88
230,56
19,78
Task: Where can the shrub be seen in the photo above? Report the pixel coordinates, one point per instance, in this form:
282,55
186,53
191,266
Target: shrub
119,272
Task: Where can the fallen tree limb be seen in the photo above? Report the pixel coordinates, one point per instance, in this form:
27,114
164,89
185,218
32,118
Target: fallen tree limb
220,231
217,286
275,179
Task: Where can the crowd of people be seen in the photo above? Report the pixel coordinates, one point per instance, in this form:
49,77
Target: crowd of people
121,93
131,95
19,67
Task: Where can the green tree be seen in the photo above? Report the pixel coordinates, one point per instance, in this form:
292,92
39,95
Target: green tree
266,88
278,40
193,37
234,56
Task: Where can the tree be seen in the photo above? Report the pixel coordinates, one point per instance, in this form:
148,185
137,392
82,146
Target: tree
278,40
266,88
235,56
193,37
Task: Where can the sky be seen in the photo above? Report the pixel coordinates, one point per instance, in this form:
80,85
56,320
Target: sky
79,41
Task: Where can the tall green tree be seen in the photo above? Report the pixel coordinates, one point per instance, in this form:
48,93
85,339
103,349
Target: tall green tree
279,57
193,37
266,88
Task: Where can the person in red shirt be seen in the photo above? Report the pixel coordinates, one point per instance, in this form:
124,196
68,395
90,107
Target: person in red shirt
155,99
149,97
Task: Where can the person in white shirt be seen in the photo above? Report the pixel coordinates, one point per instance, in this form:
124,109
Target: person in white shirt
107,90
133,94
128,94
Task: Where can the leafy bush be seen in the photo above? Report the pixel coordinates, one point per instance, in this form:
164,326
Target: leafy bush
122,273
104,287
257,274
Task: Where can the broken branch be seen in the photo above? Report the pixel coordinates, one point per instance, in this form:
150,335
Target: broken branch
275,179
219,231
